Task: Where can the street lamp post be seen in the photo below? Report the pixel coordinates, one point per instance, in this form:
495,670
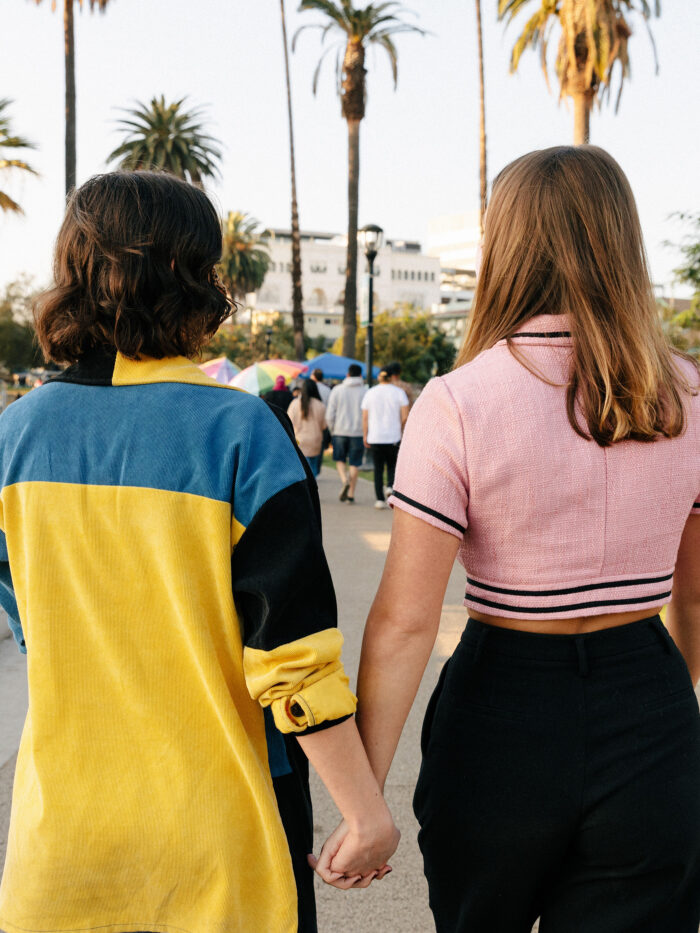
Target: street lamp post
268,341
371,239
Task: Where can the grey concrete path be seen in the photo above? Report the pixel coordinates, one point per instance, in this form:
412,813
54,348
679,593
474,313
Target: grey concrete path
356,539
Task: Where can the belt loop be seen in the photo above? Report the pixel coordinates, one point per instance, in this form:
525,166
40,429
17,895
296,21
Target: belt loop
481,639
582,656
662,632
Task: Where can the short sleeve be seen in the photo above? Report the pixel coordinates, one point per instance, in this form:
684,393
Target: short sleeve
431,479
404,397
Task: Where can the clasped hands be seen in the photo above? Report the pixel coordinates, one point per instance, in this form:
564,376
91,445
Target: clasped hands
354,855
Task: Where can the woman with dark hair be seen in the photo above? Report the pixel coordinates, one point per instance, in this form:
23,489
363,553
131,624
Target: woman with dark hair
162,567
308,416
561,462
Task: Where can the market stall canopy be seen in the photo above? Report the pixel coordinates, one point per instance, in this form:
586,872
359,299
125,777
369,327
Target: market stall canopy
260,377
334,367
221,369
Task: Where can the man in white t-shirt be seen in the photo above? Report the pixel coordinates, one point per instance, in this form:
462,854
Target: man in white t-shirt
384,412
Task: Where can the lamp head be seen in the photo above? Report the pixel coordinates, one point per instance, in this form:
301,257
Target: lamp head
371,239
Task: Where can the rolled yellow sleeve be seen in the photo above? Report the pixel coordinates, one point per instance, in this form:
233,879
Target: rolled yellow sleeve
302,681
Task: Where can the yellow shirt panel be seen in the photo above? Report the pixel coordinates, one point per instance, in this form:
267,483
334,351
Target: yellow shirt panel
157,782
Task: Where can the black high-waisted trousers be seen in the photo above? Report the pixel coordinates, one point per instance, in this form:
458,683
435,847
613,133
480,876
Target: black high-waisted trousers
561,780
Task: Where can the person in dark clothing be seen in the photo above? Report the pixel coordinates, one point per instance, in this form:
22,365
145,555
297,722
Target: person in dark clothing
280,395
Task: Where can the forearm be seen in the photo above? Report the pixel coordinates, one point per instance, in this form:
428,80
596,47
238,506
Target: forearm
394,657
683,624
339,759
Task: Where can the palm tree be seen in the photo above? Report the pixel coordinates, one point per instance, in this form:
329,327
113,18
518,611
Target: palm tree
69,55
482,122
297,300
245,258
375,24
8,140
167,137
594,38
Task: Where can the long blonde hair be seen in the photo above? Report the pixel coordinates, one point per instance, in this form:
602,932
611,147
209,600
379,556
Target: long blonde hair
562,235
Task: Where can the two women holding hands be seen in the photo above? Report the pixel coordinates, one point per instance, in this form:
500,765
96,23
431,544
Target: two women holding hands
163,569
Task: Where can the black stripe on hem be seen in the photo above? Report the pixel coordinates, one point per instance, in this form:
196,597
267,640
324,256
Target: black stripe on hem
573,606
696,505
428,511
572,589
328,724
551,333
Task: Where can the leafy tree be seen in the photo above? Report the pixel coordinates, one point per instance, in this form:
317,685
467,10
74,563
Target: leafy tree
165,136
18,348
374,24
594,40
245,258
9,140
413,340
689,272
297,299
236,342
683,327
69,47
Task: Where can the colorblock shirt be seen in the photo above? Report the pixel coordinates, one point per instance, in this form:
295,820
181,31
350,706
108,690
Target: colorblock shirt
161,557
550,524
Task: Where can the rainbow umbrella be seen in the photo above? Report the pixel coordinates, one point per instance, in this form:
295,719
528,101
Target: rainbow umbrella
220,369
260,377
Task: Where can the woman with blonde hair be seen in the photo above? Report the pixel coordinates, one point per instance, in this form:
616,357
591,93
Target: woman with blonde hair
560,461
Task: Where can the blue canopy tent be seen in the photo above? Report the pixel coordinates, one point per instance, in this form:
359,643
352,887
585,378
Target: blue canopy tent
334,367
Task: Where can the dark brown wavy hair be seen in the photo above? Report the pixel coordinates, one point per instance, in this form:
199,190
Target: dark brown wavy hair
133,270
562,235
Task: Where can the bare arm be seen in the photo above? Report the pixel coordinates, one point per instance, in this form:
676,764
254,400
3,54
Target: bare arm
365,426
683,618
368,837
400,633
404,416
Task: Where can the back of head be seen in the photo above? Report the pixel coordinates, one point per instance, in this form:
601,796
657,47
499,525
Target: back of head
562,235
383,377
393,369
134,270
309,390
354,370
318,375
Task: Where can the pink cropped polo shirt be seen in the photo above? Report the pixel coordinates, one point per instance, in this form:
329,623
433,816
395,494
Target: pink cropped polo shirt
551,525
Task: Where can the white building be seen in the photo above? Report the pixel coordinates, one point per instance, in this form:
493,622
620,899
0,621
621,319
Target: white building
402,275
454,239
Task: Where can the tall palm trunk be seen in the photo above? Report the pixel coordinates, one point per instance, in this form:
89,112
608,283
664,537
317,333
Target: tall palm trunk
350,304
69,43
482,122
582,118
297,300
353,109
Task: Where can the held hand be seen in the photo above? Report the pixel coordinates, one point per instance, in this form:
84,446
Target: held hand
354,855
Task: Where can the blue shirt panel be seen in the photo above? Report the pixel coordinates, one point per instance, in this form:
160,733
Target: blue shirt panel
205,440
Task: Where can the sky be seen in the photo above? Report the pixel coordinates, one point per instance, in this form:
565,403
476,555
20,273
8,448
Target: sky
419,144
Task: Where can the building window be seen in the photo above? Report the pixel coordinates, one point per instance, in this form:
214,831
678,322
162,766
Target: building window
318,268
341,270
413,275
328,321
393,274
420,275
377,270
432,276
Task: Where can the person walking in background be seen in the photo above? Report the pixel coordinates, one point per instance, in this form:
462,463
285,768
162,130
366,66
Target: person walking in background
561,461
324,391
344,418
393,371
280,395
384,414
161,564
308,416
